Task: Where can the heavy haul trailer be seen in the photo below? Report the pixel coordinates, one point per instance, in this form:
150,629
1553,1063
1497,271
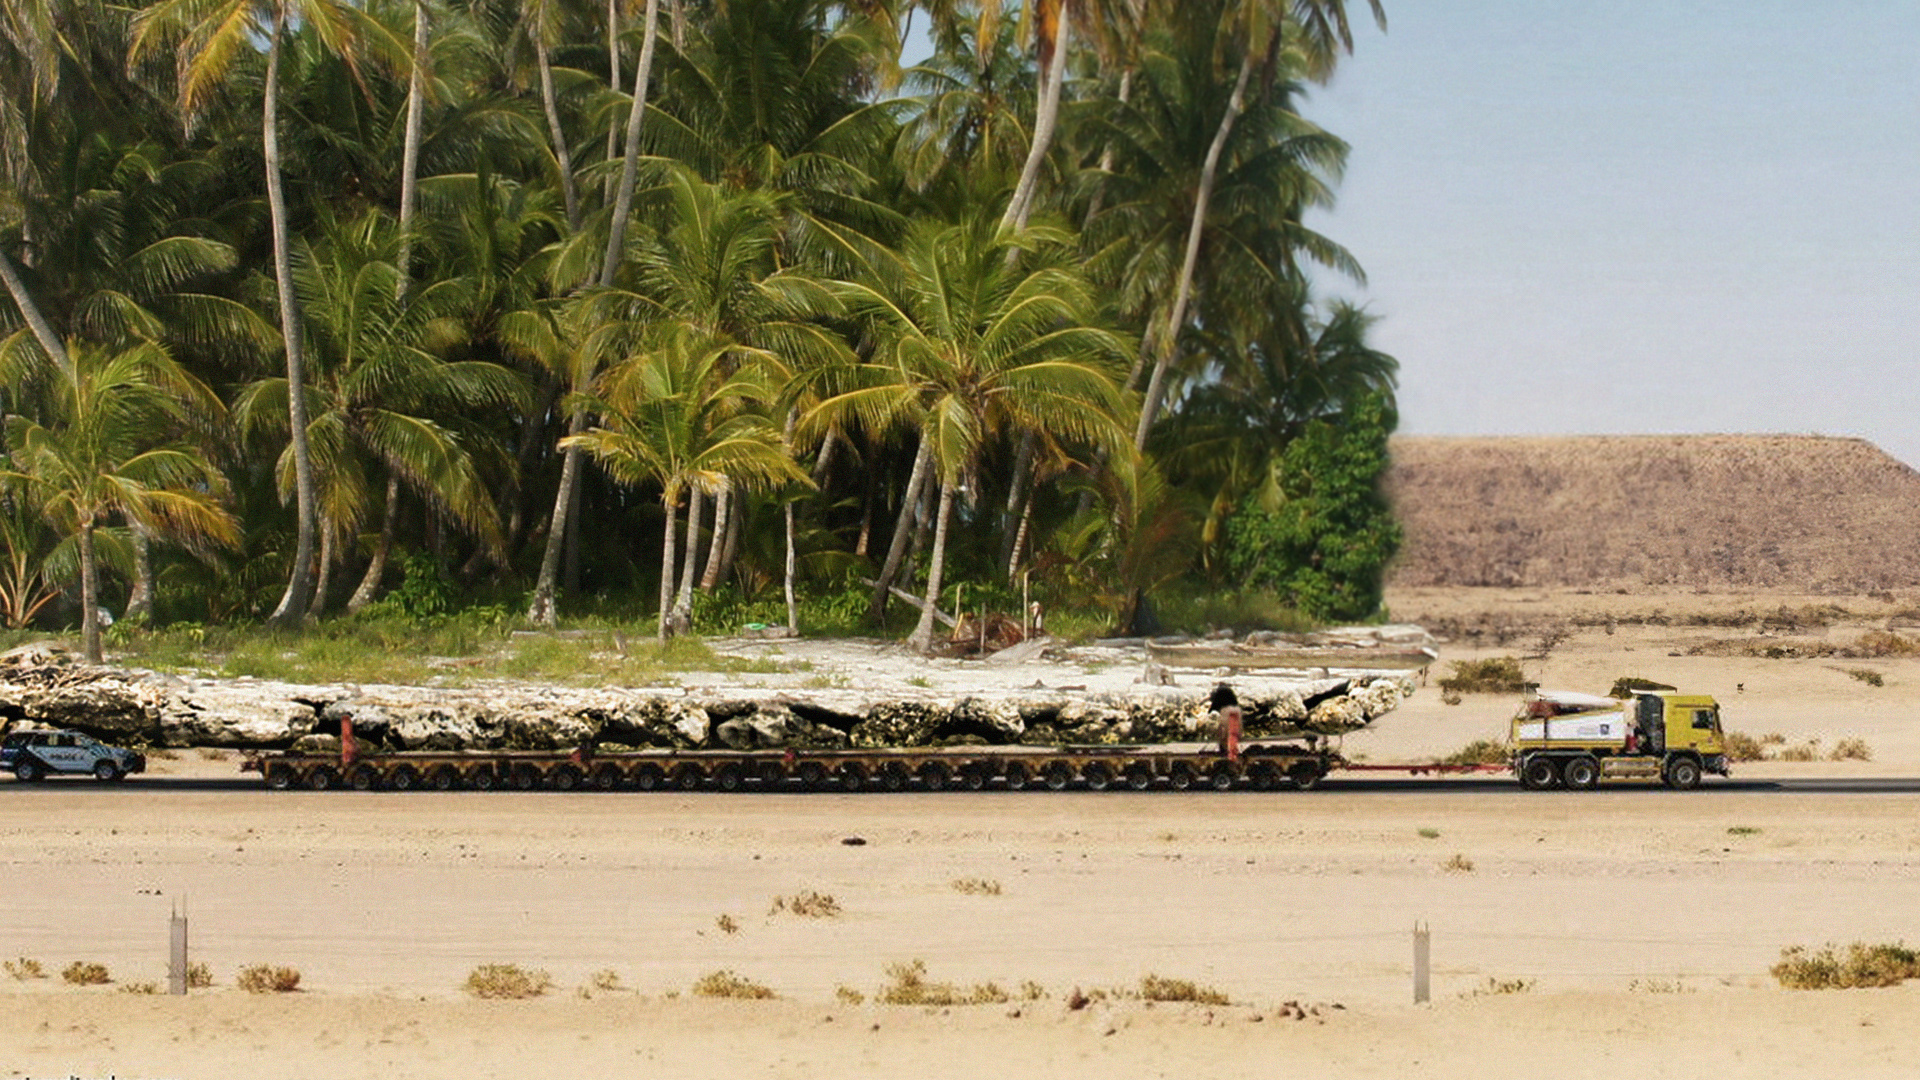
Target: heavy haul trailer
1259,765
1579,740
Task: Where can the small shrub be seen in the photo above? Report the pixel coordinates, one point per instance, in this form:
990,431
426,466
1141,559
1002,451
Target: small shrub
25,968
1429,834
1658,986
1809,752
507,981
920,681
1494,987
199,976
1851,750
847,995
1773,738
86,973
910,986
1158,988
1626,686
1742,830
1459,864
1494,675
269,979
140,988
1868,676
1744,747
727,924
606,979
726,984
1859,965
1032,991
1478,752
807,905
1449,697
976,886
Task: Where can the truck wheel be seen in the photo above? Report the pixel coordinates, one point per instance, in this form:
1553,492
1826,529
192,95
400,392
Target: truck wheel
688,777
1262,776
365,778
1305,775
28,771
564,778
934,776
106,771
974,777
322,778
1539,773
1222,777
894,778
1140,777
484,778
525,777
1683,774
279,777
1057,776
728,778
648,778
1097,777
1581,774
606,777
405,778
773,776
813,776
851,776
1180,777
444,778
1016,775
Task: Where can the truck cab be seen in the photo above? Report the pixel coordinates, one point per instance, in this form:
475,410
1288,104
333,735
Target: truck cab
1579,739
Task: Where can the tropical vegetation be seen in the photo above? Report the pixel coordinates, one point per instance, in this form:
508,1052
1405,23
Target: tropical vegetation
550,306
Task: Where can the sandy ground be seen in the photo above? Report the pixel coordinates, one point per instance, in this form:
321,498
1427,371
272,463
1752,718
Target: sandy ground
1624,932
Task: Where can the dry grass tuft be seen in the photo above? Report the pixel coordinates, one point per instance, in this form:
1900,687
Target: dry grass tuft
1868,676
1859,965
910,986
606,980
25,968
86,973
269,979
507,981
1478,752
1851,750
140,988
974,886
1458,864
1744,747
1494,675
727,924
1494,987
807,905
847,995
1159,988
726,984
199,976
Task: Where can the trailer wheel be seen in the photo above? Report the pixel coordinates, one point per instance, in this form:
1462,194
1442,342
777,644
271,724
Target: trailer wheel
1180,777
974,777
935,776
648,778
1306,775
1539,773
773,776
404,779
606,776
688,777
322,778
1139,777
1581,773
564,778
444,778
813,776
525,777
364,778
1096,777
279,777
1683,774
728,777
1263,776
894,777
1222,777
1057,776
483,778
850,776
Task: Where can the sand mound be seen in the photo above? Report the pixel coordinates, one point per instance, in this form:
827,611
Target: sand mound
1749,511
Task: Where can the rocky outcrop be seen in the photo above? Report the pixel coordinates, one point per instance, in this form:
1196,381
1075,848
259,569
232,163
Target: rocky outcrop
44,687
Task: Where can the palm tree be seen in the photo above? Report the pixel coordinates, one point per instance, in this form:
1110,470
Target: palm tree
212,35
1258,28
673,416
971,341
101,454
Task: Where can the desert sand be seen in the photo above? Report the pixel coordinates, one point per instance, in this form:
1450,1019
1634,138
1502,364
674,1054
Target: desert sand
1623,932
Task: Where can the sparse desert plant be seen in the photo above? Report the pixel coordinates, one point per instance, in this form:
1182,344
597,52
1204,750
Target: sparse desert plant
1430,834
727,924
1032,991
910,986
1494,987
847,995
1809,752
86,973
1458,864
1478,752
1160,988
199,976
726,984
1881,644
606,980
269,979
25,968
1494,675
140,988
507,981
807,905
1658,986
1742,830
976,886
1744,747
1858,965
1868,676
1851,750
1773,738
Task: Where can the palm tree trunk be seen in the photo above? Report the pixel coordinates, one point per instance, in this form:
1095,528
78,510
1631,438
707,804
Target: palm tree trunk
563,158
1020,539
1157,385
1106,152
793,563
722,503
42,330
897,547
293,602
922,639
1045,119
669,499
678,17
613,80
377,566
324,579
140,599
630,168
736,521
683,603
823,465
541,612
89,605
1017,493
410,156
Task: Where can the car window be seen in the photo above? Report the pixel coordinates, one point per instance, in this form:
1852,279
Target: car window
63,740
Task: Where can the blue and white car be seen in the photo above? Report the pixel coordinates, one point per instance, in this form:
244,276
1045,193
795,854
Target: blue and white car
36,755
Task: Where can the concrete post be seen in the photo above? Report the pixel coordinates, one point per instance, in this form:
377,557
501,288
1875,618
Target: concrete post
1422,985
177,959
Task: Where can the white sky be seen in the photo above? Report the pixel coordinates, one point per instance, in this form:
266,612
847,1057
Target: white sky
1625,217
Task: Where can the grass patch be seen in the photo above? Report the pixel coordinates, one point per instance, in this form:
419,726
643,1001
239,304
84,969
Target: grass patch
606,980
1742,830
1429,834
1458,864
1494,675
726,984
1478,752
1867,675
140,988
1160,988
807,905
974,886
1858,965
24,968
847,995
269,979
910,986
507,981
86,973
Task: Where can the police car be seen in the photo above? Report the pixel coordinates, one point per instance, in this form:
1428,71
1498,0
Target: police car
35,755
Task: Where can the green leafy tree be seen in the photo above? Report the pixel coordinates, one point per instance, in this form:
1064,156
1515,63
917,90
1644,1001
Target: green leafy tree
1320,532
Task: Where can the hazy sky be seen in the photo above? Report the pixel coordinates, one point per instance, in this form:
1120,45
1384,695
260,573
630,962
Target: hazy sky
1629,217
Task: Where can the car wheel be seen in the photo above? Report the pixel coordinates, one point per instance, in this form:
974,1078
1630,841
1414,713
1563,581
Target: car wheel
106,771
28,771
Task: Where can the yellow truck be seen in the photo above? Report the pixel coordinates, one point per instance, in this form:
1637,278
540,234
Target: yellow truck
1578,740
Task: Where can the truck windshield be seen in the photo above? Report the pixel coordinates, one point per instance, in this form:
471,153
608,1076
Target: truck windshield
1706,719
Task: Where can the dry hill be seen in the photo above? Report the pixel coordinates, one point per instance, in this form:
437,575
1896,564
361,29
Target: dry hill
1747,511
